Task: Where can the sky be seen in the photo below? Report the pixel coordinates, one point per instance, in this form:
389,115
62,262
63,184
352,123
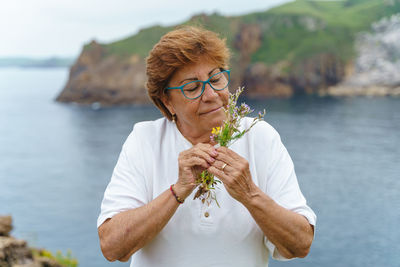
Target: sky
45,28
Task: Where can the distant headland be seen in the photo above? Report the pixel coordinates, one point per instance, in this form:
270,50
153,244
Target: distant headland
27,62
336,48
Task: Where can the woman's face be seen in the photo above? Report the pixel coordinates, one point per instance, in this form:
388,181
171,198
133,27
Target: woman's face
197,117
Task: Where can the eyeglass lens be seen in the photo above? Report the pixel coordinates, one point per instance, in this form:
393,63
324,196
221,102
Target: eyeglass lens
218,81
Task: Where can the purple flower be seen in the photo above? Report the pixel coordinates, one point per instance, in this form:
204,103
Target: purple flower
212,138
245,109
234,115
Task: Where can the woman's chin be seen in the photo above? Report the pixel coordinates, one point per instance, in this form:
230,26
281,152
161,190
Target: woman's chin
216,121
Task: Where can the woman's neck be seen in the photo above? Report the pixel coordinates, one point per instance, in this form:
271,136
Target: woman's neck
193,137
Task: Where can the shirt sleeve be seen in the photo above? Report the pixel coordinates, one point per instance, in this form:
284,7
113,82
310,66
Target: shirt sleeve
127,188
282,185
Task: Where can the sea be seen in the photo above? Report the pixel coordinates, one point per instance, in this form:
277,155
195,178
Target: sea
57,159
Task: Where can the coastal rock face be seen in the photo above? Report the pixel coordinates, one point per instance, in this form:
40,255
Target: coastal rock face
5,225
317,73
265,82
15,252
105,79
376,71
12,251
108,80
311,76
378,61
247,41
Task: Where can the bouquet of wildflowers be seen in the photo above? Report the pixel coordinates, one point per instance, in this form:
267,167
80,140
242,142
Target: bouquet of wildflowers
225,135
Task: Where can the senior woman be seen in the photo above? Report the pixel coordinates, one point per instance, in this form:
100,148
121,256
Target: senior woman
262,210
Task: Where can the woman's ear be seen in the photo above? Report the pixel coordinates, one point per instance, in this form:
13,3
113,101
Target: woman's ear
167,103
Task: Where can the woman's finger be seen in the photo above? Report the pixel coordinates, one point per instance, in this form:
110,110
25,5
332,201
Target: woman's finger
219,173
221,165
204,151
207,148
202,154
196,161
226,158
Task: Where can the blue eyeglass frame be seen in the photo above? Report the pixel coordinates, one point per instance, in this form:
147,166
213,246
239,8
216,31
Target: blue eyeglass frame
204,84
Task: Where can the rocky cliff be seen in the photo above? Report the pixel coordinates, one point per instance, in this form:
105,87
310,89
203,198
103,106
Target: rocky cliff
16,253
303,47
376,69
106,79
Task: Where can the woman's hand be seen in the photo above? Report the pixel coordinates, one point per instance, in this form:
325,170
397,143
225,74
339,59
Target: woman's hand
235,174
191,163
290,232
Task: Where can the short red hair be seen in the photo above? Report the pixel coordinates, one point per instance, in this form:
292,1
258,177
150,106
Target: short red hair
177,48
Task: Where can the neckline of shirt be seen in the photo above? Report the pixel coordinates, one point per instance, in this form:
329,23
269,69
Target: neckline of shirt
185,140
180,135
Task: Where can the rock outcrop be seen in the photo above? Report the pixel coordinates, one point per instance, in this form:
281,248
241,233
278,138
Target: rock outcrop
109,80
310,76
16,253
265,81
5,225
376,70
99,77
317,73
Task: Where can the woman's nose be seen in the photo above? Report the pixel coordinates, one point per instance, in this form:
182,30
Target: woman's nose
208,93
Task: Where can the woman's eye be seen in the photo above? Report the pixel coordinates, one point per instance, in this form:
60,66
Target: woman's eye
191,87
215,80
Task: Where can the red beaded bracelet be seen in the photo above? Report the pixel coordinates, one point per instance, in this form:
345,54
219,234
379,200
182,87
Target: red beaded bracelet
180,201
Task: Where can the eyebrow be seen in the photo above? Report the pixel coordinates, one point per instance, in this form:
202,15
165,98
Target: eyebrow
195,78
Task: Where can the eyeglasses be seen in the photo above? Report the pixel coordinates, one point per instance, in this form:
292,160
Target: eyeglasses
195,89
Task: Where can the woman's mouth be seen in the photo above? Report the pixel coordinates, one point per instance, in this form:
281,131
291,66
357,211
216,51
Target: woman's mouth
211,111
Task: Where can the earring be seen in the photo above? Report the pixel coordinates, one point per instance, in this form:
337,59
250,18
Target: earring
174,118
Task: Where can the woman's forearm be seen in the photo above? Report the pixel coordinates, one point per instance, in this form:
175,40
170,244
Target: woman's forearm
290,232
128,231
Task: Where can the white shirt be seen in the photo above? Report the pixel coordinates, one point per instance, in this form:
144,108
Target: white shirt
229,236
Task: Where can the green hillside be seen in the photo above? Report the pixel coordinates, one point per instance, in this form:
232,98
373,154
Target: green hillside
287,38
290,32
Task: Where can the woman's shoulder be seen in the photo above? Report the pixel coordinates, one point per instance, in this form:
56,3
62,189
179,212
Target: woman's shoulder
263,137
260,129
147,130
148,127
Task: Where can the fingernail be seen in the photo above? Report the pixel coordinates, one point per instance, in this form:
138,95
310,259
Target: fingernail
214,153
212,159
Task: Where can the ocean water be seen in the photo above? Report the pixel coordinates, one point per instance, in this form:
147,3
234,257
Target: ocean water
56,160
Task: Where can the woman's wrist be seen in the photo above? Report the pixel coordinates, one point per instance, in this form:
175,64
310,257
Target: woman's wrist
253,196
178,199
182,191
